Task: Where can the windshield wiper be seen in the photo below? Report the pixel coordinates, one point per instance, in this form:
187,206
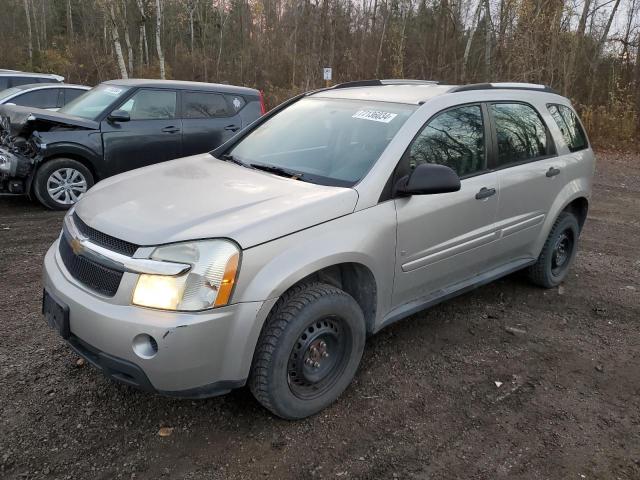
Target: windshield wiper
283,172
230,158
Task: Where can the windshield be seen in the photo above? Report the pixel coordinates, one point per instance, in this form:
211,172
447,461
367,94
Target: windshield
8,92
327,141
95,101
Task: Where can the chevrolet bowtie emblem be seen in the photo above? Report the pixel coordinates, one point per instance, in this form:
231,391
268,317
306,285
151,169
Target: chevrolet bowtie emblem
76,246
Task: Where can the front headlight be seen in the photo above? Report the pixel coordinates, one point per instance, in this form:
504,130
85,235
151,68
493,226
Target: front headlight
208,284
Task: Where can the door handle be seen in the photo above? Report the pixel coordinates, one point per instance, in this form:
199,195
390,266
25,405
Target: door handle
232,128
552,172
485,193
171,129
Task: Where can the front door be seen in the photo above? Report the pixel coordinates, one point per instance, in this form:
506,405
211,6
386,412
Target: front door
153,135
446,238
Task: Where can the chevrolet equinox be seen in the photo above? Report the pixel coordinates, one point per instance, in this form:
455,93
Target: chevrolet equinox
268,261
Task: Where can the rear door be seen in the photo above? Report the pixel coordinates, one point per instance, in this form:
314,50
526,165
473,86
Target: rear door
446,238
153,135
530,174
208,120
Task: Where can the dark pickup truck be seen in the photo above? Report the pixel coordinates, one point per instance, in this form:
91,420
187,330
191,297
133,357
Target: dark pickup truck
117,126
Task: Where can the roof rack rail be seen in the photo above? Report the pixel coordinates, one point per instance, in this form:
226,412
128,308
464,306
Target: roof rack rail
503,86
389,81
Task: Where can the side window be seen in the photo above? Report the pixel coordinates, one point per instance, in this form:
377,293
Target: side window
205,105
454,138
520,132
47,98
569,126
151,105
4,83
72,94
17,81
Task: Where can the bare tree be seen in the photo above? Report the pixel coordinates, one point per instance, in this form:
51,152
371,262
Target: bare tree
116,40
127,40
30,44
158,43
144,45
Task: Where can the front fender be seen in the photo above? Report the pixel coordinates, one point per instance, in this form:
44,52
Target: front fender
367,237
86,145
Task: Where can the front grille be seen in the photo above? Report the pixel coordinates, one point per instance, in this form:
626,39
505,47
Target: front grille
97,277
104,240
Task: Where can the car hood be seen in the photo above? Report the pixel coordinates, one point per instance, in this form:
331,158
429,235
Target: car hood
203,197
21,121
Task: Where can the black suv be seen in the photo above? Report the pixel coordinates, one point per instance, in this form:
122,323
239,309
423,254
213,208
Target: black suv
117,126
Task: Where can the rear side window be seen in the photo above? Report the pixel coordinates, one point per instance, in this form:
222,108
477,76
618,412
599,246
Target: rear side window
454,138
569,126
47,98
17,81
4,83
236,101
520,132
205,105
72,94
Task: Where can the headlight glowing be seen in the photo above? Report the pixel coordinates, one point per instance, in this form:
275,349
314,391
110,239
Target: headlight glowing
209,283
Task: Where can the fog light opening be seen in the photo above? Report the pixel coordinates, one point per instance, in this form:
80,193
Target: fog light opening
145,346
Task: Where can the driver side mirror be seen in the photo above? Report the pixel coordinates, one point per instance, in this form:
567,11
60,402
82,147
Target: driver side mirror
427,179
119,116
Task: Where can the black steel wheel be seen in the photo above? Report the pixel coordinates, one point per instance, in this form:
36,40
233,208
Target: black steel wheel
558,252
318,357
308,350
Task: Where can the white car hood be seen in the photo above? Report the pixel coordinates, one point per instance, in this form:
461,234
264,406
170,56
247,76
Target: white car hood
203,197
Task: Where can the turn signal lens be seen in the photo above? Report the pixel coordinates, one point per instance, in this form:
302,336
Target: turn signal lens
228,280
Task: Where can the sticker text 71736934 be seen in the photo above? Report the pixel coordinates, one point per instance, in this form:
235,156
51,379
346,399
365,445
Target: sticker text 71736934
375,115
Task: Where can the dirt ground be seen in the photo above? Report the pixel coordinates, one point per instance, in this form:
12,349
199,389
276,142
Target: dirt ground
425,403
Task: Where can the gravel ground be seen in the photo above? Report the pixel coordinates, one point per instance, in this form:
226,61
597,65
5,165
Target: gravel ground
424,405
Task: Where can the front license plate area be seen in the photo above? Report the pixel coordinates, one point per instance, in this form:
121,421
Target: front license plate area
56,314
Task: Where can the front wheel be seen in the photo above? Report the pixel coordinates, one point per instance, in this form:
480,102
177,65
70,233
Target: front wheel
558,252
308,351
60,182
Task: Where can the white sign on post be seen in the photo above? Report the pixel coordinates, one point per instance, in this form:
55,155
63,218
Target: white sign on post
327,73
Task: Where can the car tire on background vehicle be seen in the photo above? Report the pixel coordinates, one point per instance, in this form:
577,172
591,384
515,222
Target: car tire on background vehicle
308,351
558,252
59,182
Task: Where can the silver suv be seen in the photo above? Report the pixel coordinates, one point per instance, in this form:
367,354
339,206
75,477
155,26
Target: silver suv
270,260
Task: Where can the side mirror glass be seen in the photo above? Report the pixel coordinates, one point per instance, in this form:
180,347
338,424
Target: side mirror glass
119,116
428,179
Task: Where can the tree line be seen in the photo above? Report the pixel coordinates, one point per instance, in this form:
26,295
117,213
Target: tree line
587,49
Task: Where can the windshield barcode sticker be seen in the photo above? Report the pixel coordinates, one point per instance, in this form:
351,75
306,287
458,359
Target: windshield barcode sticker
375,115
113,91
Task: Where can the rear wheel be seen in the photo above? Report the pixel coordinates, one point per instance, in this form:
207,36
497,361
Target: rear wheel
558,252
60,182
308,351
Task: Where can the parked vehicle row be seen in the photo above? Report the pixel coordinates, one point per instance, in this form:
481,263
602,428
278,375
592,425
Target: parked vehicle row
117,126
268,261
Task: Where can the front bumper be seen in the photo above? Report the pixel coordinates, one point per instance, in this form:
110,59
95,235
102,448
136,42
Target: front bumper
199,354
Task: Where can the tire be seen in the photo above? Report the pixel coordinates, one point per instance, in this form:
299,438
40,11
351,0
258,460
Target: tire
290,375
71,177
558,252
